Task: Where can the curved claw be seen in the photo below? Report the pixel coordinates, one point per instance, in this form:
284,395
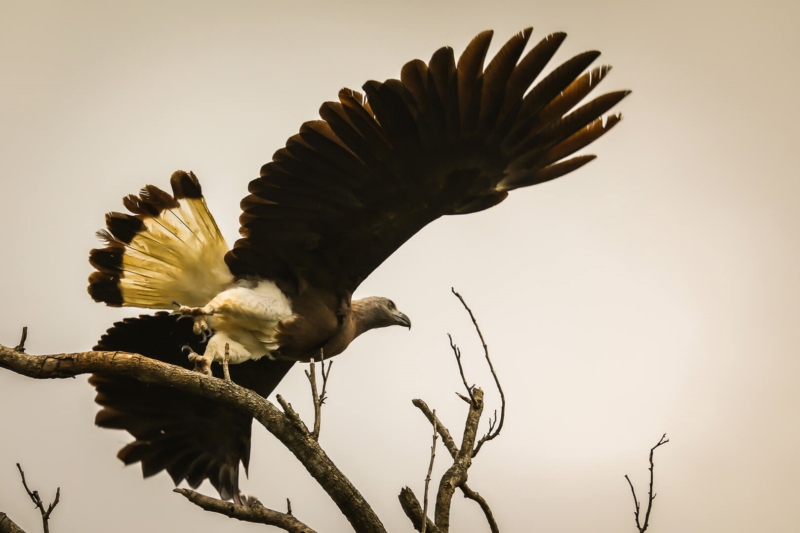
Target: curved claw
187,349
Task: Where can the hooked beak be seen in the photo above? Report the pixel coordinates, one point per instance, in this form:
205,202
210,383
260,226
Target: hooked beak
402,320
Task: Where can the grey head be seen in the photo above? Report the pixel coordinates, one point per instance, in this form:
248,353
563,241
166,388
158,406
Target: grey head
377,312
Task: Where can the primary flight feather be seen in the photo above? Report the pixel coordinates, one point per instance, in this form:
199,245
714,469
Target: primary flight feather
449,138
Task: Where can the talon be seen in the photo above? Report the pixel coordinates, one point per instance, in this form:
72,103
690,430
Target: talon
202,363
201,328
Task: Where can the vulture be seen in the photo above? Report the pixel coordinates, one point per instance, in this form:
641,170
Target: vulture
450,137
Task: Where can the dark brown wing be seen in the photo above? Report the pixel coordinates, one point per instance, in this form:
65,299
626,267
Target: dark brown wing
448,138
192,438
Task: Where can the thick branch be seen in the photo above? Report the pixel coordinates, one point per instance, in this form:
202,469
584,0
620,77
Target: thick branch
300,442
255,512
8,526
413,510
457,474
448,441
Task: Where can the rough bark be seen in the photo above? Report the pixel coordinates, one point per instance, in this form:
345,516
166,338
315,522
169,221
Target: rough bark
255,512
457,474
8,526
297,439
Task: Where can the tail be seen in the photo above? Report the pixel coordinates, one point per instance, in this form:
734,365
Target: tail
169,250
192,438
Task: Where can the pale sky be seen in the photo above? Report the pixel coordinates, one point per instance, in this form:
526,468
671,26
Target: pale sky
655,290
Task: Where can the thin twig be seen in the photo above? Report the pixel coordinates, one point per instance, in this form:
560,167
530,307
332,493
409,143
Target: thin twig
651,495
225,372
636,503
325,374
428,477
457,353
311,374
21,346
494,425
288,506
34,495
291,413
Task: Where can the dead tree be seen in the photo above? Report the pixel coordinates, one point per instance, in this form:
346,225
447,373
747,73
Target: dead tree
287,426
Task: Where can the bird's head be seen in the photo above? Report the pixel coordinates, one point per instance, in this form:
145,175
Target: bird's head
378,312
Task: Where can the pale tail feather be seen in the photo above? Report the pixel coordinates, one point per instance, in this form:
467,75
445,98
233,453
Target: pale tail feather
169,249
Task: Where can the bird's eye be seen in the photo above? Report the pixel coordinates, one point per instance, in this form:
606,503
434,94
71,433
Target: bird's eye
391,304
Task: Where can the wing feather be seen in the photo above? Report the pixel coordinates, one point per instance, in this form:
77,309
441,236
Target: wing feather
446,138
190,437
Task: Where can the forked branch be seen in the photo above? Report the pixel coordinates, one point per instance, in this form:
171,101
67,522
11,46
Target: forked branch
651,495
317,396
34,494
494,425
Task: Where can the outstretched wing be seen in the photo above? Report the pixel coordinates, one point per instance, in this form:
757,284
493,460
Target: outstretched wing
192,438
447,138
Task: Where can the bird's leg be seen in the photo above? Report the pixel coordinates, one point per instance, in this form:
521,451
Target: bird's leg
199,314
202,363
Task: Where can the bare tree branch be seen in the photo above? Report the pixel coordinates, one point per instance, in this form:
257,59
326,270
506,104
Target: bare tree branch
298,440
37,501
651,495
318,397
255,512
428,477
454,452
8,526
457,353
493,431
472,495
413,510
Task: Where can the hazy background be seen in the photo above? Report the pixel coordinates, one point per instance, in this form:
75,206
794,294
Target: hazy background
655,290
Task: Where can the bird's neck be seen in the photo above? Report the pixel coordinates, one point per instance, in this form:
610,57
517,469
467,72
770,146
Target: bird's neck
362,318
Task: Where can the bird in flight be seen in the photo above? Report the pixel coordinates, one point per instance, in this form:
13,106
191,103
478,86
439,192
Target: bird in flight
448,138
